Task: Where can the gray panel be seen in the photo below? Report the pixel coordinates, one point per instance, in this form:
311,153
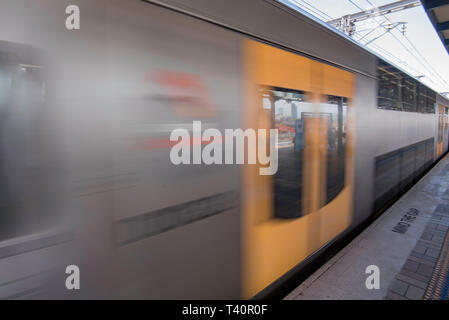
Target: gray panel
256,16
379,132
103,96
365,139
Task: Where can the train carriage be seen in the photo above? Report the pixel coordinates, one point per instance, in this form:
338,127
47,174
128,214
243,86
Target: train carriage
93,110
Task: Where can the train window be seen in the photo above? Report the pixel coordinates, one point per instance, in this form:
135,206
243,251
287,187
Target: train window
421,98
336,108
289,110
26,202
408,94
430,101
398,91
388,87
7,89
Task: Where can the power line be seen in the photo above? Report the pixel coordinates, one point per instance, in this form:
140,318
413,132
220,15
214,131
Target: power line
387,30
370,3
379,24
311,10
372,30
421,59
356,5
425,60
420,62
330,17
389,54
429,67
386,53
324,16
393,57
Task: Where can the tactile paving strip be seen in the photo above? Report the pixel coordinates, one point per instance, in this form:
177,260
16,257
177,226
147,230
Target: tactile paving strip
425,274
439,283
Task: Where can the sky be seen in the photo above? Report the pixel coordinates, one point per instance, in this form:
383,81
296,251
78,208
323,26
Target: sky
430,57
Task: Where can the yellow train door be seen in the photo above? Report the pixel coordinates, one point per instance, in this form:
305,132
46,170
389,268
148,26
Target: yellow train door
308,201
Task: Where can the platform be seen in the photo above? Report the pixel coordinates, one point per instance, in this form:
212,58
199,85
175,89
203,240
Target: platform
409,243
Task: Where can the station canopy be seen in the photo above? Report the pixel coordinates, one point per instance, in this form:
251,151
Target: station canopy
438,12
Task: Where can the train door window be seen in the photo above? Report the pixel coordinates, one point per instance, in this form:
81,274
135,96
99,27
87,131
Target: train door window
288,109
336,108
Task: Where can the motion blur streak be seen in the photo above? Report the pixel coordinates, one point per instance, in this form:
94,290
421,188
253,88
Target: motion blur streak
85,123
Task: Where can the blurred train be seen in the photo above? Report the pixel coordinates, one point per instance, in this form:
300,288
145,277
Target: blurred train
85,173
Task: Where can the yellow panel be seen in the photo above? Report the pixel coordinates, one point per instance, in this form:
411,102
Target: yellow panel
279,61
271,247
337,82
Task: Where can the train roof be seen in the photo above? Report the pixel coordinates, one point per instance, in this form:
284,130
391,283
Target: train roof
258,19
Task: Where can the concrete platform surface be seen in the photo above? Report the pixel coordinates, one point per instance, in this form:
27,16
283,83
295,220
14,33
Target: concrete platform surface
408,244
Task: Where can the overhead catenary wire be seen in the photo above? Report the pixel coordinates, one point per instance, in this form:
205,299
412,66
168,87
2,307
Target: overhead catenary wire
379,24
314,10
441,81
369,32
388,55
424,59
324,13
415,57
409,47
424,63
356,5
